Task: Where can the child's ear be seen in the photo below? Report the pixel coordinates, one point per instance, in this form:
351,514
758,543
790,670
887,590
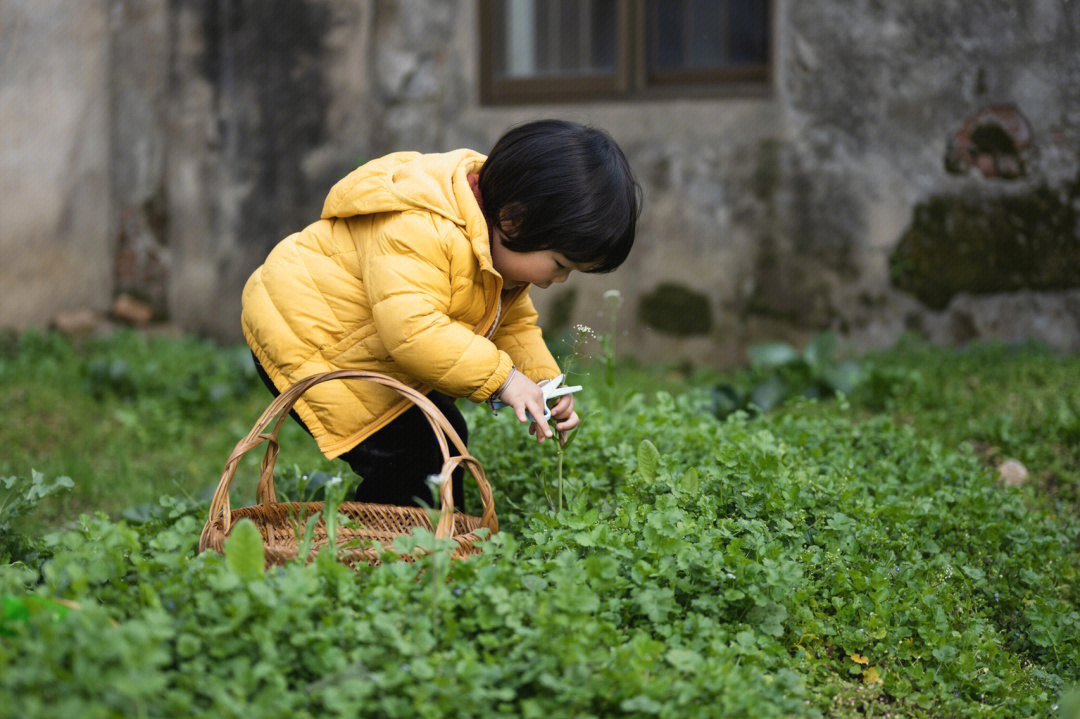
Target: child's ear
510,218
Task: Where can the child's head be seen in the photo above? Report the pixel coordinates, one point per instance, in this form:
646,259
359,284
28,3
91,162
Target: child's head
561,186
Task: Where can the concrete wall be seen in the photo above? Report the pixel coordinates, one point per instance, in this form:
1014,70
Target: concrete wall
55,238
832,202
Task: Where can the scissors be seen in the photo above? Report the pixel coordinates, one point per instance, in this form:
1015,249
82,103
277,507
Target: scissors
552,389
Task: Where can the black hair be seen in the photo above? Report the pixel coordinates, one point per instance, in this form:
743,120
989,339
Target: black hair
558,185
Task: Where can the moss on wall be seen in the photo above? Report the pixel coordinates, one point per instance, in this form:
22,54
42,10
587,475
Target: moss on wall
984,245
676,310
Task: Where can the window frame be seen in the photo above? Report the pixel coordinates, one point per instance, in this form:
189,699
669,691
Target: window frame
631,80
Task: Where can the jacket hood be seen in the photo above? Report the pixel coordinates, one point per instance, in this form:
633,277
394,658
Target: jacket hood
402,181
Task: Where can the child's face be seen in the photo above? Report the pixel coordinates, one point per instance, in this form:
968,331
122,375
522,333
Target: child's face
542,268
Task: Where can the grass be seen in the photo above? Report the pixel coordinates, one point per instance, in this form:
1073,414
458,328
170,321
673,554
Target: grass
1002,401
132,416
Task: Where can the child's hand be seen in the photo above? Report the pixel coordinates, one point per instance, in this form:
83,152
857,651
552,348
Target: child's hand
564,415
522,394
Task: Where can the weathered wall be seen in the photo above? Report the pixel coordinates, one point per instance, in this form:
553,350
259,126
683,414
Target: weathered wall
834,201
786,212
269,105
54,158
878,95
138,83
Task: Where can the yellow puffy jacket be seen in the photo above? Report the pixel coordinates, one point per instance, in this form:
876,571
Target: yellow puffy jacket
396,278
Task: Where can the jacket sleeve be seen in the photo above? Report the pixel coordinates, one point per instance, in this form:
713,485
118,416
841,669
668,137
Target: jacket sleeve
407,277
520,337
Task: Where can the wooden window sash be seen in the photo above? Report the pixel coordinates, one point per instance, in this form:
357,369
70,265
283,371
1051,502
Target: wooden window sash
631,79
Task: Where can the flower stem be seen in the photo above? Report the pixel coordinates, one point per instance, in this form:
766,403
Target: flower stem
560,478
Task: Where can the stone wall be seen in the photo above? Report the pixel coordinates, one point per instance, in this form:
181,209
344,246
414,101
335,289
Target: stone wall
880,98
897,138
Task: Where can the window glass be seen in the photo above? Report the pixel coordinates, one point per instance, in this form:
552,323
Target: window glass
706,34
554,38
573,50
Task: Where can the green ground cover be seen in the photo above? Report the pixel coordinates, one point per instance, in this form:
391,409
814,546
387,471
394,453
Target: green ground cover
831,557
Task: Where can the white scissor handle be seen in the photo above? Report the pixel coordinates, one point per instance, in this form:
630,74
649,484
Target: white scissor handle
552,388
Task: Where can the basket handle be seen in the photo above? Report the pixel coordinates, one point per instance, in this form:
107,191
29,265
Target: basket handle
265,493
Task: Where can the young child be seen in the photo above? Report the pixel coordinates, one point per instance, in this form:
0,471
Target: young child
420,268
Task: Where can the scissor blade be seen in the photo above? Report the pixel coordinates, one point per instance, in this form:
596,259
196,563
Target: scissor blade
562,391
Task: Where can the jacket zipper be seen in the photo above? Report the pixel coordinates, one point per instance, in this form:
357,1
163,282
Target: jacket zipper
491,319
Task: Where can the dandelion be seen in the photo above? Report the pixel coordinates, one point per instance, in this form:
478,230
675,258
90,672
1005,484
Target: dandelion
859,659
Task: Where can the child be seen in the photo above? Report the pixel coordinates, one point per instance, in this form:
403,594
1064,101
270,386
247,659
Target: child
420,269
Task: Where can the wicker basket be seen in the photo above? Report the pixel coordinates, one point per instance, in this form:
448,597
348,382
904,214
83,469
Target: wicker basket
278,521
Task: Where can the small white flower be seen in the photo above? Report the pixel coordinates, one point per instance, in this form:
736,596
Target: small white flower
614,297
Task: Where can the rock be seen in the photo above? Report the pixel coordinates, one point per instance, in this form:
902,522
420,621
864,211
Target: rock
128,309
77,323
1012,473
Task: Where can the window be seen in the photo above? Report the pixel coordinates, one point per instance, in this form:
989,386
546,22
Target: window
552,50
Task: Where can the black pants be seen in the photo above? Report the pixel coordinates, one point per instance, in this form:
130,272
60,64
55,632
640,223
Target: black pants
395,462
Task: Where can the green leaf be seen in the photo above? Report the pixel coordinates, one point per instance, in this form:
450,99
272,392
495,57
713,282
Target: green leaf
648,458
570,437
769,393
769,355
641,704
684,659
845,377
820,349
690,482
770,618
244,553
945,654
41,488
974,572
1070,704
